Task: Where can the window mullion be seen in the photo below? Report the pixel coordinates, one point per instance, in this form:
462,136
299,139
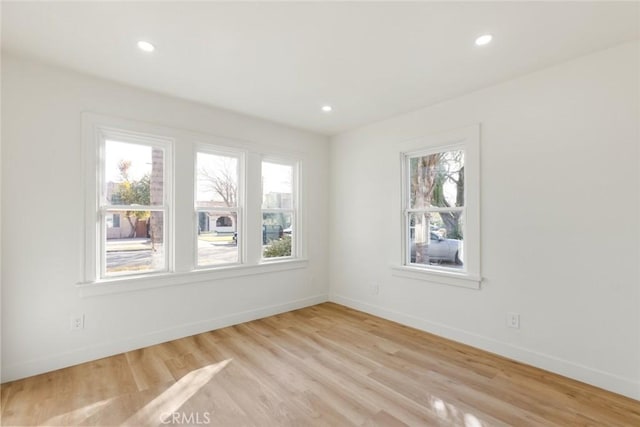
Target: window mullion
278,210
134,208
436,209
216,210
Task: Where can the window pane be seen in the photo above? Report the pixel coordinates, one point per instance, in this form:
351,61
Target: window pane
277,232
137,246
277,186
217,181
437,180
217,238
436,238
134,174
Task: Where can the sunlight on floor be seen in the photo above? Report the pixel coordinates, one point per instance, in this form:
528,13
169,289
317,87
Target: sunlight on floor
77,416
449,412
176,395
440,407
471,421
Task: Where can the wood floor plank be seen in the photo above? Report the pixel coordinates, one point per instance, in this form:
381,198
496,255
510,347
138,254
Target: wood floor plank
148,368
283,362
325,365
297,408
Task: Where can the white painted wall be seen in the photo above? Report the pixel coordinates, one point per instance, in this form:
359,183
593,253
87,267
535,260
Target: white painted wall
550,249
42,223
559,212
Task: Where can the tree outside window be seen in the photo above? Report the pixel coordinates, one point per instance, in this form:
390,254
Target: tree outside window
435,214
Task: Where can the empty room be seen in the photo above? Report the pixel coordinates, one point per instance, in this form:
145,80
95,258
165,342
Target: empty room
320,213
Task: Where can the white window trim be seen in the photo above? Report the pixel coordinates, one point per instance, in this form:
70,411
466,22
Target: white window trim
468,139
96,130
183,271
152,281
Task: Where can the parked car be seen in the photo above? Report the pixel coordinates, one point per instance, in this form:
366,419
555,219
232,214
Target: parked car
439,249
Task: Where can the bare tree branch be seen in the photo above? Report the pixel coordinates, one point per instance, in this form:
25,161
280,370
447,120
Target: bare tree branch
222,181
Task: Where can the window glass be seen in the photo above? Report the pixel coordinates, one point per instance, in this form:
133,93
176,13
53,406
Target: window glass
434,218
133,236
437,180
277,186
436,239
217,209
217,238
277,233
140,248
133,209
134,174
278,213
217,180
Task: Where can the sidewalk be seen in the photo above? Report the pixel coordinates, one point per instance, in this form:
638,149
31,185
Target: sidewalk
135,244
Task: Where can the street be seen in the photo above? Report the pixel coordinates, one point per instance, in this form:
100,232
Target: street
136,255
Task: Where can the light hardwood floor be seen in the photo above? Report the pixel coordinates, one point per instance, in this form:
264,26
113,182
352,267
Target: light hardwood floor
322,365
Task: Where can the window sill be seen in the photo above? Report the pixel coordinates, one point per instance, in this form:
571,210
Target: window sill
462,280
136,283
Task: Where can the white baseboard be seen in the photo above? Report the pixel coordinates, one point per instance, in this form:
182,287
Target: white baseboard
86,354
563,367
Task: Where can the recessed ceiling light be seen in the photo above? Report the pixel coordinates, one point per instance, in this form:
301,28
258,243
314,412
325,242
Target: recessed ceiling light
146,46
484,39
327,108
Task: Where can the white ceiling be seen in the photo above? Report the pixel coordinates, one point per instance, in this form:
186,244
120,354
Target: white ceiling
283,61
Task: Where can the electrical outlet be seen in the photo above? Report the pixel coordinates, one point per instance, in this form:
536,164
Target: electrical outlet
77,322
513,320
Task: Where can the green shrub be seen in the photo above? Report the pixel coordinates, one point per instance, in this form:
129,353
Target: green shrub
279,248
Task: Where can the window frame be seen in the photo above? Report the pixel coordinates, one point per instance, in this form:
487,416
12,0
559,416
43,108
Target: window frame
97,209
294,211
468,140
181,226
241,156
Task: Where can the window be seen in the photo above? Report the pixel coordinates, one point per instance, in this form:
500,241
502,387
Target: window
218,198
435,212
149,225
440,197
133,205
278,209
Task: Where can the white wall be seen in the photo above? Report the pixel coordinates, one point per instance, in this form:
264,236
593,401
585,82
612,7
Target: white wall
560,223
42,223
559,213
